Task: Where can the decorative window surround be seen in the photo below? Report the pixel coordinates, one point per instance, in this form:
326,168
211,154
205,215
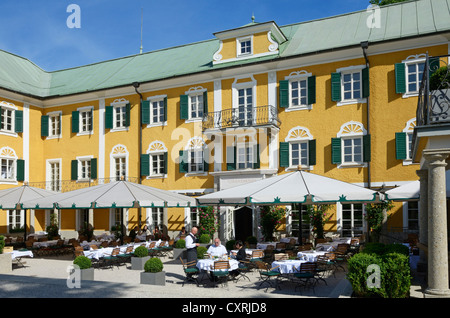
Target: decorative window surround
409,61
118,152
11,110
84,162
196,91
83,129
8,166
53,119
293,77
196,144
154,99
116,104
154,149
244,46
299,135
350,131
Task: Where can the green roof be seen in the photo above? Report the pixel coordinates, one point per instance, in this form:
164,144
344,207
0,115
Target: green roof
397,21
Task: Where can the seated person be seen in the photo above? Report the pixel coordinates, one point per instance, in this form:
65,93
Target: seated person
217,249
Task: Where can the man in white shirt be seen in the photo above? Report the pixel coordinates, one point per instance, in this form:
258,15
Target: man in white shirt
217,249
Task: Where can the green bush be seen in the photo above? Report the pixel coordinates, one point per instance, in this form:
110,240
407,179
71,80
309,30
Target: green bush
153,265
180,244
395,272
230,244
440,79
201,250
140,251
205,239
83,262
2,243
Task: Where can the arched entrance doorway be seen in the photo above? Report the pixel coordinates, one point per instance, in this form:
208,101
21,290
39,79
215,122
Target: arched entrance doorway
243,223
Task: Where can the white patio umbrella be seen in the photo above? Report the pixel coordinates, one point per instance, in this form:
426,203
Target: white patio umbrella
411,190
117,194
13,198
294,187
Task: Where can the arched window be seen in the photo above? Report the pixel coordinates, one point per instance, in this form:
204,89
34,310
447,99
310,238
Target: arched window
298,149
351,147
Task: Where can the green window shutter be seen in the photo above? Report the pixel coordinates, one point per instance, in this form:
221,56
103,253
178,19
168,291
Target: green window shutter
145,165
365,82
127,115
336,151
284,154
366,148
400,146
184,107
311,90
18,127
183,163
145,112
312,152
91,120
231,158
74,171
284,94
44,126
205,103
165,108
109,115
335,87
400,80
75,121
165,162
94,168
257,162
20,176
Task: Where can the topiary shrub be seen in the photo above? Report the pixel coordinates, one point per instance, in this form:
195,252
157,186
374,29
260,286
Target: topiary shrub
140,251
201,250
2,243
82,262
180,244
395,276
204,239
373,248
357,273
230,244
153,265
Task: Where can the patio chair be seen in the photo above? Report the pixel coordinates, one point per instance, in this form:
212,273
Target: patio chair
333,262
306,275
280,247
323,267
243,270
78,251
280,256
268,275
191,272
110,260
126,256
220,271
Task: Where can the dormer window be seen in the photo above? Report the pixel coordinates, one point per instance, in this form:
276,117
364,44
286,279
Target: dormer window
244,46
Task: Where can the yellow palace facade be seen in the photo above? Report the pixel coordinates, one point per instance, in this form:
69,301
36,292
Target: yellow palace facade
336,97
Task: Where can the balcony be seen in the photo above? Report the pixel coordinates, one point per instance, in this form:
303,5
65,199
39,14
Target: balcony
434,95
261,116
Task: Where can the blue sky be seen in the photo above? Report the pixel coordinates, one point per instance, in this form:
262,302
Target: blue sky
38,31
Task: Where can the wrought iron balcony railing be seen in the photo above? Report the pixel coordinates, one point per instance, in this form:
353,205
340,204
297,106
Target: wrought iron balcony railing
434,93
242,117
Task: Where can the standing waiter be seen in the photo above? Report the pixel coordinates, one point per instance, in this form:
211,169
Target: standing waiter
191,246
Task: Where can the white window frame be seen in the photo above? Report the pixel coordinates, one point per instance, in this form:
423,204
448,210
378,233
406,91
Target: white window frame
49,175
353,153
299,135
249,149
81,162
340,218
4,106
118,152
298,76
52,118
351,70
352,130
14,212
156,99
409,130
195,91
413,59
156,148
84,129
196,144
8,154
119,104
235,93
199,106
239,42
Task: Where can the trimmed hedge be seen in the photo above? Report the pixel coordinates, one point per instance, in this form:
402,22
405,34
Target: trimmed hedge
394,271
153,265
201,250
83,262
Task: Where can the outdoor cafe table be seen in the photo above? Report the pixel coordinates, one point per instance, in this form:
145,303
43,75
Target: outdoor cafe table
18,254
263,245
107,251
208,264
310,256
287,266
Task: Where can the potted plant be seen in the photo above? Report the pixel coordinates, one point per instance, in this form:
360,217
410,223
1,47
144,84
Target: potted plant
201,251
85,266
5,259
204,240
153,273
179,249
139,257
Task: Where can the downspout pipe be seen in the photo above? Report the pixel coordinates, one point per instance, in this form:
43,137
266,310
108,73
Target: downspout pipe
136,86
365,46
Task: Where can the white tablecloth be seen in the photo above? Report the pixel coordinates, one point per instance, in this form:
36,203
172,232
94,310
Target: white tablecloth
263,245
287,266
16,253
288,239
45,244
208,264
106,251
331,246
310,256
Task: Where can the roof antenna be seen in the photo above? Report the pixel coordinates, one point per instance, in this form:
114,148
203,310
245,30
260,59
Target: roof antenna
142,22
253,18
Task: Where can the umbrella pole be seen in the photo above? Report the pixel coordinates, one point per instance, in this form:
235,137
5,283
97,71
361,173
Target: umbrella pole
121,226
25,227
300,223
